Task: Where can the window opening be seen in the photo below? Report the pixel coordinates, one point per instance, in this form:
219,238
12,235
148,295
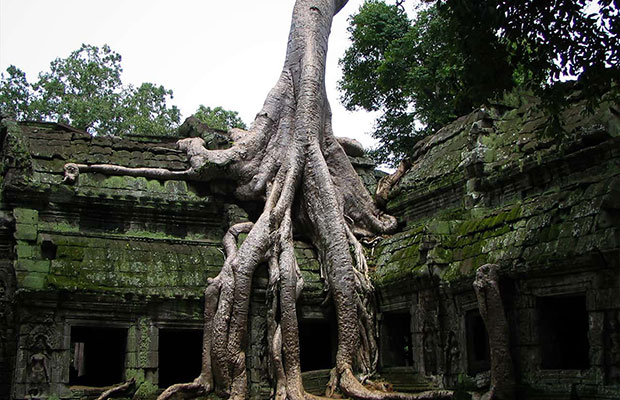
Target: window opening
396,340
563,332
48,250
315,345
97,356
180,355
478,355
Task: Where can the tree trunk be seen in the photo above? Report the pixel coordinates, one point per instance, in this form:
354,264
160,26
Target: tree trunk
291,160
491,309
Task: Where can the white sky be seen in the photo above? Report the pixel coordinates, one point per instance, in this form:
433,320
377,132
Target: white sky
217,53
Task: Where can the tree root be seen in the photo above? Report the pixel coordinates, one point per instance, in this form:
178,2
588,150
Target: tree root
194,389
486,286
117,390
291,161
352,387
386,183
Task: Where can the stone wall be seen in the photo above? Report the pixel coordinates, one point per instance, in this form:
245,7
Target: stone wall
126,259
493,188
130,255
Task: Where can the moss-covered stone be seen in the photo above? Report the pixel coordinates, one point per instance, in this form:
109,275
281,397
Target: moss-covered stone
26,265
26,216
26,232
146,391
32,280
520,205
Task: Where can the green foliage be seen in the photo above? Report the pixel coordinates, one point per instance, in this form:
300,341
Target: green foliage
15,94
85,90
456,54
416,73
146,110
219,118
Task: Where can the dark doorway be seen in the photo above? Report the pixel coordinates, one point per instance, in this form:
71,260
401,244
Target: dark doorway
478,356
180,355
396,340
315,345
563,332
98,356
48,250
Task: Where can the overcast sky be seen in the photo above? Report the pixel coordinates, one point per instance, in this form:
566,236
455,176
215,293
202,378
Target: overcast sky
226,53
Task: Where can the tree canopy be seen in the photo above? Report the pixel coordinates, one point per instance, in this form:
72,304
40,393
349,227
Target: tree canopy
219,118
456,54
85,90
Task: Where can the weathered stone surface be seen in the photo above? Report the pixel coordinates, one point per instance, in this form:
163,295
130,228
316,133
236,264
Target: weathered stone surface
135,253
490,188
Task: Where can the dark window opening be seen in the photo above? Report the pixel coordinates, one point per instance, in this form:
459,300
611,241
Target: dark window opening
98,356
563,332
478,356
315,345
396,340
48,250
180,355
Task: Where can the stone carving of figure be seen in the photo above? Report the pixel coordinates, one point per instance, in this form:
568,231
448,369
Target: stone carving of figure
38,376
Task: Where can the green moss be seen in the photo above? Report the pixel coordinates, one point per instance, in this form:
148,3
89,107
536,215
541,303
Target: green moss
144,346
75,283
452,214
146,391
149,234
26,215
75,253
466,383
58,227
26,231
25,250
440,255
32,280
501,230
42,266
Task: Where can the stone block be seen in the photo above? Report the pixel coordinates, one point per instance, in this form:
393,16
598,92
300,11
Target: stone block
26,251
33,266
26,232
21,362
61,390
20,391
31,280
26,216
596,328
59,367
70,252
152,360
597,356
131,360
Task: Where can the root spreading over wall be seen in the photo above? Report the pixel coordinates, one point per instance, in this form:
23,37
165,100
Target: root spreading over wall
290,160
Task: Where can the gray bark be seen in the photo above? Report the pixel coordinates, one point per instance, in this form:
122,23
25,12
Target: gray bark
491,308
289,154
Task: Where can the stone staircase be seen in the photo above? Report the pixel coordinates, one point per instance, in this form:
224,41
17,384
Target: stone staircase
400,379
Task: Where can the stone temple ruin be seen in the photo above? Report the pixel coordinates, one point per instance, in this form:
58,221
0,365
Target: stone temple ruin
102,280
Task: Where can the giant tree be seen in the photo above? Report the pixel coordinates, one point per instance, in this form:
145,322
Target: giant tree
290,160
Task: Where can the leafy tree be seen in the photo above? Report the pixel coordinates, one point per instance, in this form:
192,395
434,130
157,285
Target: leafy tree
15,93
145,110
458,53
85,90
219,118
